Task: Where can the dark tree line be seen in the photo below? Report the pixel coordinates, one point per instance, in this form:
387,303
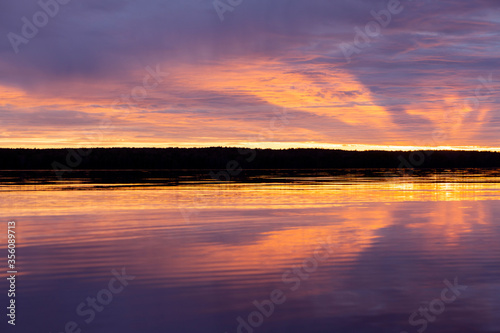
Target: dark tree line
218,158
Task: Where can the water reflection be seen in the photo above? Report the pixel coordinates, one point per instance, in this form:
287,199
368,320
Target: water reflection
203,253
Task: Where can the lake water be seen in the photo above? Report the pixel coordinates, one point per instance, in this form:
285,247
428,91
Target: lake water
323,253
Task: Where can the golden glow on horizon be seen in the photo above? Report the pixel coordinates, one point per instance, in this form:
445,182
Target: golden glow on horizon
314,92
267,145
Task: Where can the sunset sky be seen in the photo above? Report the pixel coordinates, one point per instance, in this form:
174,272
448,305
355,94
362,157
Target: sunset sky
262,73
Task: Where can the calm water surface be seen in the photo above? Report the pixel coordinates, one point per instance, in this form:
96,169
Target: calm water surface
335,254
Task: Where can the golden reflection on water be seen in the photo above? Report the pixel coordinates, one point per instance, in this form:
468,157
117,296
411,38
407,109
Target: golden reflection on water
348,213
25,200
235,241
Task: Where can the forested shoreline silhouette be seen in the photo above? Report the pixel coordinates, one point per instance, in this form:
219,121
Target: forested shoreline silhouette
220,158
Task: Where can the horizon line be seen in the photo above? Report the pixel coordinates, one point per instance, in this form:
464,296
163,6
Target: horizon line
279,146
